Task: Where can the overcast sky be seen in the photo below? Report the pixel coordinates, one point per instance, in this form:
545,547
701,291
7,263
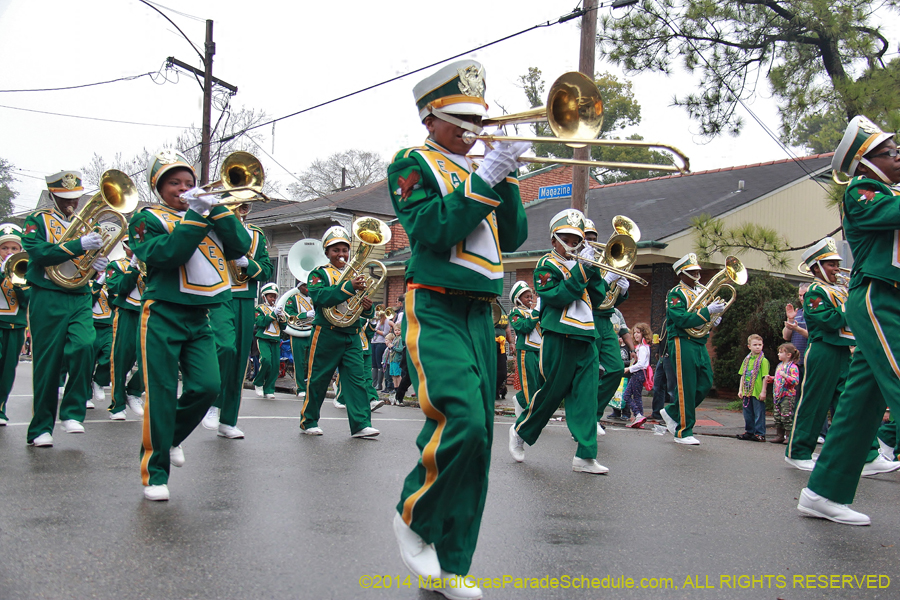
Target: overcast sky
286,56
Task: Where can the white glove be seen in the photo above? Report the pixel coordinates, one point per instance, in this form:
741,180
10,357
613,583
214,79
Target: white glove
717,306
135,261
101,279
310,313
198,204
92,241
611,277
717,321
100,263
279,310
242,262
623,284
587,252
500,161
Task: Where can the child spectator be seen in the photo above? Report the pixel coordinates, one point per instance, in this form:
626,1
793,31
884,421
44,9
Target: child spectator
396,354
752,390
389,341
787,378
638,375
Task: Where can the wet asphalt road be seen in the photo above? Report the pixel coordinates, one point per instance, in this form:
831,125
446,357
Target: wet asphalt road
279,515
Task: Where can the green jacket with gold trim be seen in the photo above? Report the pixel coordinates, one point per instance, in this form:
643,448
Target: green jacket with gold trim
562,286
101,309
325,293
823,309
259,268
186,253
268,327
43,230
871,225
125,284
458,226
679,319
526,322
13,304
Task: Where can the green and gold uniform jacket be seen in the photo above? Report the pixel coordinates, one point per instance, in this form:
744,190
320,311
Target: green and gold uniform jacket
823,309
526,322
298,305
268,327
872,227
563,289
366,333
259,268
13,304
101,309
457,225
325,293
679,318
125,284
186,253
43,230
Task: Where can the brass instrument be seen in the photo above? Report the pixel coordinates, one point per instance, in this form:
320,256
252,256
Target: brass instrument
117,197
303,257
499,314
370,232
574,111
388,312
843,276
242,177
734,272
238,274
620,254
15,267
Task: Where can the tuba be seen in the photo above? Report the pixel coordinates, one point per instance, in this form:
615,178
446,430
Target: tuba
15,267
370,232
117,197
619,251
303,257
734,272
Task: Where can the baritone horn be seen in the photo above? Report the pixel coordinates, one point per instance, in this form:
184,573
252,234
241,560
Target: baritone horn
15,267
574,111
733,273
242,177
117,197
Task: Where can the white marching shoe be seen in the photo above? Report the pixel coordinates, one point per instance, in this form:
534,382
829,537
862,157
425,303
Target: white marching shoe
259,391
176,456
516,444
72,426
518,409
419,557
375,405
45,440
98,393
117,416
600,430
156,493
588,465
803,465
814,505
211,420
671,424
338,404
880,465
89,404
270,396
366,432
312,431
455,587
885,450
135,404
232,433
687,441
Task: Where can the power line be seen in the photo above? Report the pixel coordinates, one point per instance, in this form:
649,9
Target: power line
164,16
44,112
85,85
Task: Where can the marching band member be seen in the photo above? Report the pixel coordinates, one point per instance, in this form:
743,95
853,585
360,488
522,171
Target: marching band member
62,329
268,319
525,319
126,284
300,305
185,241
693,371
102,310
336,347
870,219
568,359
13,316
608,351
232,324
458,220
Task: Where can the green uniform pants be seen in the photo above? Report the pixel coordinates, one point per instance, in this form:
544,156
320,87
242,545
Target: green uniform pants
62,334
529,364
570,371
269,364
174,336
300,353
124,355
824,379
873,382
11,341
693,378
371,393
452,358
102,354
610,356
232,324
330,350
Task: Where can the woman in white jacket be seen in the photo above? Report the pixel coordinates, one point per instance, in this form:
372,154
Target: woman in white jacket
638,371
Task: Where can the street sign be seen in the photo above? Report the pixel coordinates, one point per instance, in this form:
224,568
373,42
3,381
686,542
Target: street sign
563,190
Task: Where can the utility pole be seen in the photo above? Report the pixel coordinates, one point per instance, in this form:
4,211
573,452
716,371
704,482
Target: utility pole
586,62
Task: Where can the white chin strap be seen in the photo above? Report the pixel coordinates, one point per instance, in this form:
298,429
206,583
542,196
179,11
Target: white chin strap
444,116
822,274
877,171
690,274
569,249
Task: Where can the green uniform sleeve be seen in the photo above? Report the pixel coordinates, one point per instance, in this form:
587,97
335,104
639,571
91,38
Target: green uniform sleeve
42,252
96,288
260,266
435,222
597,288
261,319
23,295
870,209
153,244
522,323
290,307
119,282
236,241
820,313
325,295
557,291
678,314
512,224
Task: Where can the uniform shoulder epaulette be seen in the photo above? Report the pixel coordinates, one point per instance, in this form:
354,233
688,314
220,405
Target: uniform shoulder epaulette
255,228
542,261
42,211
406,152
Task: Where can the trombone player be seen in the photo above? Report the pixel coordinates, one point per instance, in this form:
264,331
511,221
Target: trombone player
13,319
62,324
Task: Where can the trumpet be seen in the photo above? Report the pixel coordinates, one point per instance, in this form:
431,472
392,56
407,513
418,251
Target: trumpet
734,272
15,267
574,111
843,274
242,177
619,253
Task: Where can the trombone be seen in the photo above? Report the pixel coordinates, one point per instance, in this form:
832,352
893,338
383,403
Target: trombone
240,176
574,111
